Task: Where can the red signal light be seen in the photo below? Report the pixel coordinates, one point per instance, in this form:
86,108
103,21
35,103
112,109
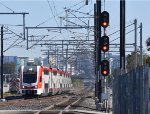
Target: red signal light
104,72
104,19
104,48
105,67
104,24
105,43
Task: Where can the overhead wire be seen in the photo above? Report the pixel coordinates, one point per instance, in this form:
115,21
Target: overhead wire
13,32
52,12
60,23
37,41
12,45
80,7
119,37
81,40
10,37
78,18
73,32
115,31
80,12
66,29
89,20
57,14
7,7
119,30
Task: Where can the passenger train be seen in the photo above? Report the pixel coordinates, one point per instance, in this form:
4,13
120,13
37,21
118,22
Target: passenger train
43,81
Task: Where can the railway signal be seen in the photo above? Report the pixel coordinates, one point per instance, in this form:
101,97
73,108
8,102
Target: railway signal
105,43
104,19
105,67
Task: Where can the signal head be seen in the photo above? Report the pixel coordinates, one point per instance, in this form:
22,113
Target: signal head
104,19
105,43
105,67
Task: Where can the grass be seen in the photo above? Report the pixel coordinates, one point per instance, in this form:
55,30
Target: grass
6,94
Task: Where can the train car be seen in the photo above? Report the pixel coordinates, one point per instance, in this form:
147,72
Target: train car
43,81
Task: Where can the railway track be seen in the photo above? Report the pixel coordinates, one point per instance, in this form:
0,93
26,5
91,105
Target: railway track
36,103
31,104
63,106
58,104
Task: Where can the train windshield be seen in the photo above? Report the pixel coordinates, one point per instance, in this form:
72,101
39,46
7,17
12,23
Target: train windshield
29,77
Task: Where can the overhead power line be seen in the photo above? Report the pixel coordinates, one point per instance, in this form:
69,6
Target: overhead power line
57,14
6,7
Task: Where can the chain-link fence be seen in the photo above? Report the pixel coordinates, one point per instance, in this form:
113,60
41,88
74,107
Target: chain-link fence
131,92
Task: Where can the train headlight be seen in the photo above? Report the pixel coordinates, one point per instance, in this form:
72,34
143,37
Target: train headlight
23,87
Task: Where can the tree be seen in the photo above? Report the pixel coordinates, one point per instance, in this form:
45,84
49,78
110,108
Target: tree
131,60
148,60
148,44
9,68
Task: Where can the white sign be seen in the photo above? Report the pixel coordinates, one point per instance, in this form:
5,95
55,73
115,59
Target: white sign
104,96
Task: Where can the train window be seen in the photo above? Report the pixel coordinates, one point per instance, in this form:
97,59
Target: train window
40,79
46,71
60,73
54,73
60,85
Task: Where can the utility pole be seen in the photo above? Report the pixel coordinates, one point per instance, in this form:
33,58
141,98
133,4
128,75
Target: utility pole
57,58
66,58
23,26
96,54
98,7
135,50
122,35
141,54
55,55
122,53
2,62
48,58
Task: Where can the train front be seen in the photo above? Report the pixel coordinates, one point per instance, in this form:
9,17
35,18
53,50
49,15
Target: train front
29,81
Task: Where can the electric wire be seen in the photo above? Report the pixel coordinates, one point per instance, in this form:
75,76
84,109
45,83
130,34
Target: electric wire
7,7
119,37
57,15
52,12
37,41
12,45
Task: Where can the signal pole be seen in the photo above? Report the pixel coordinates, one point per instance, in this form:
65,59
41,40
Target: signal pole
98,16
95,55
2,62
122,51
105,47
122,35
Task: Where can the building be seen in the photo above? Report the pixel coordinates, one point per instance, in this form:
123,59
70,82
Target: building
9,64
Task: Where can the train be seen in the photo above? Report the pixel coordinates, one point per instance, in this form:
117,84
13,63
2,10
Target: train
43,81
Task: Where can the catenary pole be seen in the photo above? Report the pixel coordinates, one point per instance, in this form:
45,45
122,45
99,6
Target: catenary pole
135,50
2,62
141,54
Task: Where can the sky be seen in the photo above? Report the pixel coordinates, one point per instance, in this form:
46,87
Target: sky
41,10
